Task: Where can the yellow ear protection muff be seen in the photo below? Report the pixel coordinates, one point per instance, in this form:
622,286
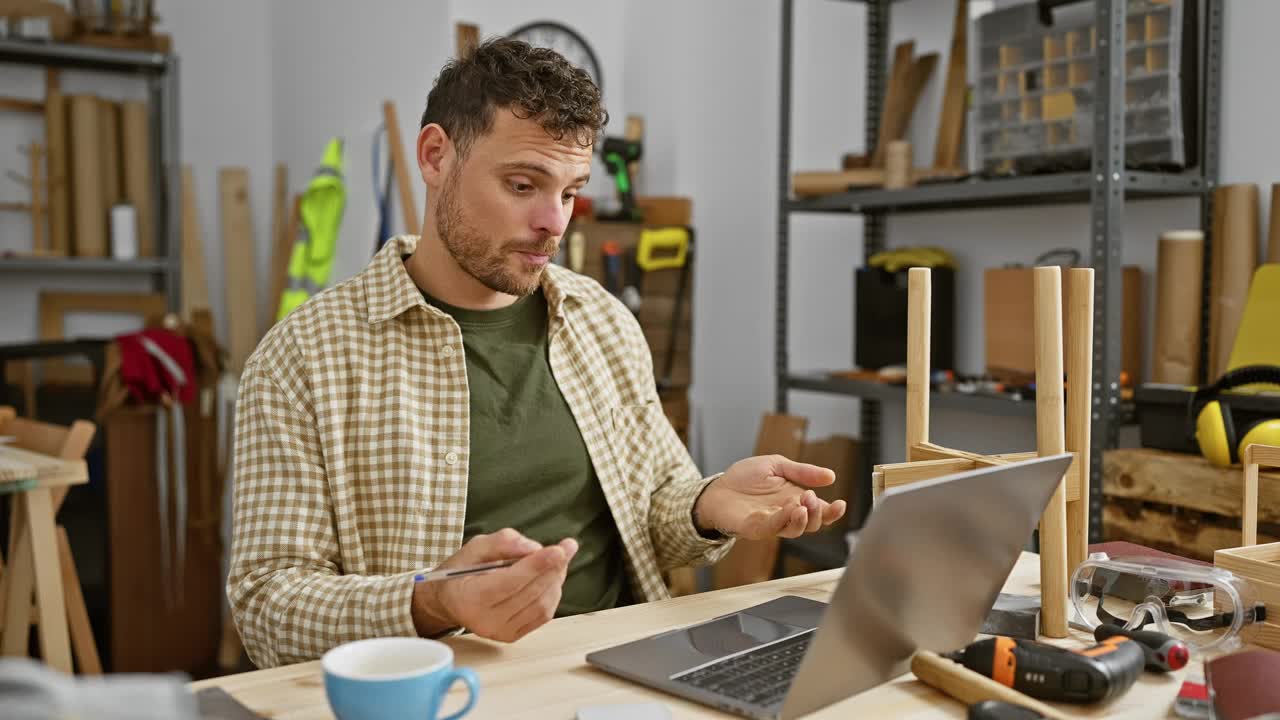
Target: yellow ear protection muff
1215,431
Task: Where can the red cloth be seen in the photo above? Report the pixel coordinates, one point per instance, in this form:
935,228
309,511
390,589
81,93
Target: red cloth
147,376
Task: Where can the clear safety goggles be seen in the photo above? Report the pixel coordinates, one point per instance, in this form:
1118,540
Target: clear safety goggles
1203,606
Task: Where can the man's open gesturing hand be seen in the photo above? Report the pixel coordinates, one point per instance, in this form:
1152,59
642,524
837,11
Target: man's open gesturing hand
767,496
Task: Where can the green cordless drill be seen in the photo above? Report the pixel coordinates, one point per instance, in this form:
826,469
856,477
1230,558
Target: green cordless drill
618,152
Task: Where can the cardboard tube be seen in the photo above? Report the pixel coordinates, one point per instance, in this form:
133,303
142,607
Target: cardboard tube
109,144
1179,286
1235,257
897,165
90,212
139,188
1273,243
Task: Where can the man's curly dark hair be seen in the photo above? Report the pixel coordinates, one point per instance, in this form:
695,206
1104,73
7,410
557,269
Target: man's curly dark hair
532,82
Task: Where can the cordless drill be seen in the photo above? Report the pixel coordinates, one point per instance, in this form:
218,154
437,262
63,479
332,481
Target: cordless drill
1046,672
618,152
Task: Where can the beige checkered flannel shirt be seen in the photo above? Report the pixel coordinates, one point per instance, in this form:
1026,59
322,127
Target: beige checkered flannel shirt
351,455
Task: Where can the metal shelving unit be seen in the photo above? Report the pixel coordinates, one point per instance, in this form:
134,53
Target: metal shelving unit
160,72
1107,188
158,266
1060,188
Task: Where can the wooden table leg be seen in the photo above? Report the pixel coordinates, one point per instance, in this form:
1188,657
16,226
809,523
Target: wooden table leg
55,645
19,583
82,642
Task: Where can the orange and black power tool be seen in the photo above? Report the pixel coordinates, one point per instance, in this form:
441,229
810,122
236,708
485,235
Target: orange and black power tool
1094,674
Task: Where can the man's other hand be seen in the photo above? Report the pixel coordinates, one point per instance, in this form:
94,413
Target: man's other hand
503,605
767,496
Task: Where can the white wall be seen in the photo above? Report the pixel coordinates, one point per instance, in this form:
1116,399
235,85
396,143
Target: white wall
225,113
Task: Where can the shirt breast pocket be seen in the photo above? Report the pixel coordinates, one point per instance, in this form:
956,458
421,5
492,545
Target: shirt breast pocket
632,436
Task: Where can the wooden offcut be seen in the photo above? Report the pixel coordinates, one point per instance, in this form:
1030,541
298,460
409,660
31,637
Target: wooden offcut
400,166
21,105
88,206
195,282
904,92
239,266
281,255
466,38
946,152
903,53
281,243
139,172
826,182
55,129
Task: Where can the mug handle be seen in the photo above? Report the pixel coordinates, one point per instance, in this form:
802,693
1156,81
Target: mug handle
473,686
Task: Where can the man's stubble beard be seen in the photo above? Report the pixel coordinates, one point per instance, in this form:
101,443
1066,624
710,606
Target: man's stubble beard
471,251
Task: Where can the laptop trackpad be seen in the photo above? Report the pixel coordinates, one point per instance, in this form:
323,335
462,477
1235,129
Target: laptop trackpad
729,635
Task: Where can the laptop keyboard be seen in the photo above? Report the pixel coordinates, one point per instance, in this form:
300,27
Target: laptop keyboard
760,676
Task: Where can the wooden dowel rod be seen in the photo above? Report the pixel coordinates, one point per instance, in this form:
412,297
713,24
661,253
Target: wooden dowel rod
1051,440
1079,402
918,309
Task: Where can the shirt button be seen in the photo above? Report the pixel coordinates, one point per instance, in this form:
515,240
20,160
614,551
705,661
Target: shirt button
447,351
451,458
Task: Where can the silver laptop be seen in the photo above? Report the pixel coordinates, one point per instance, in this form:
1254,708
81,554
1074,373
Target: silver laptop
925,571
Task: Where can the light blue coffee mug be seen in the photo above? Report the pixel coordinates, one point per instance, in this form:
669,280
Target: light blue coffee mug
395,677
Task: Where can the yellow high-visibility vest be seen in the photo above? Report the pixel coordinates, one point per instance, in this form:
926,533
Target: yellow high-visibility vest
311,261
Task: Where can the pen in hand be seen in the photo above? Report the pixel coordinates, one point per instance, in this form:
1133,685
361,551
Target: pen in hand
462,571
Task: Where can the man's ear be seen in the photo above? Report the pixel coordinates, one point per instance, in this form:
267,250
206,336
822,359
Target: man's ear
435,154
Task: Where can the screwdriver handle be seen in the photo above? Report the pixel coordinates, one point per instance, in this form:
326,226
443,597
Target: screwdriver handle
1162,652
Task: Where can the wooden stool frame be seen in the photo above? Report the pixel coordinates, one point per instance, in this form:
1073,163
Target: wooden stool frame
1064,525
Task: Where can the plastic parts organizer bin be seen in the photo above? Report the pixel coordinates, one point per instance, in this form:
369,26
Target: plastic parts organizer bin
1036,87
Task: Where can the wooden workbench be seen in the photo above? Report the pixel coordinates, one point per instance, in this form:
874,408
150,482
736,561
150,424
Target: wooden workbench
36,567
1180,503
545,674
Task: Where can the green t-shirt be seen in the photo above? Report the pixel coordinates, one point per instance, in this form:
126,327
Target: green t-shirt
529,465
